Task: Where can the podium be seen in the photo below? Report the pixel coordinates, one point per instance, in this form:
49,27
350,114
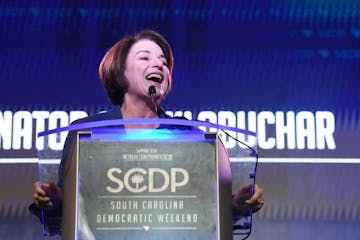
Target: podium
174,182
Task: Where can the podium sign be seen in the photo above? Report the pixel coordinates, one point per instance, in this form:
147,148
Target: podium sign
147,185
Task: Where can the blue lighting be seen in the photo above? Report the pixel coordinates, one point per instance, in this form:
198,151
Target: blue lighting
111,134
130,121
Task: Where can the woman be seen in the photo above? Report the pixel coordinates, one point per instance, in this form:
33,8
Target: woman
129,70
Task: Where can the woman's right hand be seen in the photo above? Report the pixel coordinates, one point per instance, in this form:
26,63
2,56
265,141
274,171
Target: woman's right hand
48,196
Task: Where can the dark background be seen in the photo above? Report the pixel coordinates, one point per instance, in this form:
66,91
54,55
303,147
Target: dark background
229,55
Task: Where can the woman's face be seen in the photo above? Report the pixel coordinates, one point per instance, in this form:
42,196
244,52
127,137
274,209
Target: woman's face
145,66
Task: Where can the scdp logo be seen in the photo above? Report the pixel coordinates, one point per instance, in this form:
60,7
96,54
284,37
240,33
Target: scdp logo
138,180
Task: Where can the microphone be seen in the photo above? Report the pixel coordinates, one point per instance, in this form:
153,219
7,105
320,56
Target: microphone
158,109
152,91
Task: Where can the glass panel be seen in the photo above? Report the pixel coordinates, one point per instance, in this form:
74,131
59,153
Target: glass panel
242,155
49,161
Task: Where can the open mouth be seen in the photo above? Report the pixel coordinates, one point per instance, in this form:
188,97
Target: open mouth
155,77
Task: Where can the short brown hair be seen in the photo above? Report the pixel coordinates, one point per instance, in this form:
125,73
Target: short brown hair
112,66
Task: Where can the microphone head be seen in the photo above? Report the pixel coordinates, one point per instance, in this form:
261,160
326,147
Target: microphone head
152,90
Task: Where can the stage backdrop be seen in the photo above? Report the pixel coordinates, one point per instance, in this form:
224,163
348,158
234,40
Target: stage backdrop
289,70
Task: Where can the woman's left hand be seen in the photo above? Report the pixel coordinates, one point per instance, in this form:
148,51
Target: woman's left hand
243,200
